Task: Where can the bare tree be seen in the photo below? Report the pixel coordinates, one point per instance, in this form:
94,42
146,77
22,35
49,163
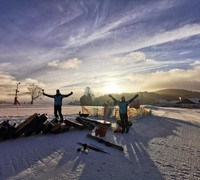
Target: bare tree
35,91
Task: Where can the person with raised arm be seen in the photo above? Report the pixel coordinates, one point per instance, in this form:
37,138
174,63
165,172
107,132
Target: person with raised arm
58,102
123,104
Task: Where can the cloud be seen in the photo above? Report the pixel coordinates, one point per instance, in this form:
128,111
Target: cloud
7,85
68,64
6,80
174,78
133,57
184,52
106,27
4,65
173,35
118,35
108,36
196,64
137,56
29,81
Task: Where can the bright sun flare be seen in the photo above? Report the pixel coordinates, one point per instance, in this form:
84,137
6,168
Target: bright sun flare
112,88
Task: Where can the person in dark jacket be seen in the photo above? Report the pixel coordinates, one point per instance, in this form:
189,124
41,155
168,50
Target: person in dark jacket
58,102
123,104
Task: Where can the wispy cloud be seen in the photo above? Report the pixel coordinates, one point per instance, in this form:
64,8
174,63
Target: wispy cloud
74,44
173,35
68,64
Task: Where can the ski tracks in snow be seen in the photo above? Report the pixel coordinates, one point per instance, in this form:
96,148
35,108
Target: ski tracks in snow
177,155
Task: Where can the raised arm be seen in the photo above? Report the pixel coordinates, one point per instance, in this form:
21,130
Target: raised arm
132,99
67,95
115,100
51,96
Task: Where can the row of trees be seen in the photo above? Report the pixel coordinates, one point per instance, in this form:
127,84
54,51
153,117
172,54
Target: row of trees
88,98
145,97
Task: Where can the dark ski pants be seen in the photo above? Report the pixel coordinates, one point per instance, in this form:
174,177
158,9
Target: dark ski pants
124,121
58,110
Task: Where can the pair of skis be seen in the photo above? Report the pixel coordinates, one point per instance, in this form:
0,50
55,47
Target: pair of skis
85,147
107,143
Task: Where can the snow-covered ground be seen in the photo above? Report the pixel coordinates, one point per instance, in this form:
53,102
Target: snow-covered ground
165,145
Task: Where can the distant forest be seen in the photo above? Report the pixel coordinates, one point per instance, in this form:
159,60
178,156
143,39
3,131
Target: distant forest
145,97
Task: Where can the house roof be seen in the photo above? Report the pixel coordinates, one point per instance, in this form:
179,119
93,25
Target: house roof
174,101
195,100
191,101
162,101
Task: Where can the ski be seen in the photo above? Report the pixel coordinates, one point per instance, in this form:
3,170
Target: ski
97,121
86,148
107,143
86,124
74,124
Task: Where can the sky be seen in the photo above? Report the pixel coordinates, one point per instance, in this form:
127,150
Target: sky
111,46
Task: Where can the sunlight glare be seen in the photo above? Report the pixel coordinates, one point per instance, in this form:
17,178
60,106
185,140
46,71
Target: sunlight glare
112,88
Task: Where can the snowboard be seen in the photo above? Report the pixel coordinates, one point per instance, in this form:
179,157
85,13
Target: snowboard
107,143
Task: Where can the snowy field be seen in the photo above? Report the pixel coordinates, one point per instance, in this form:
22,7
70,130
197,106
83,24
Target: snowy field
165,145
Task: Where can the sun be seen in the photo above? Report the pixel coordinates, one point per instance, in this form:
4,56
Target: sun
112,88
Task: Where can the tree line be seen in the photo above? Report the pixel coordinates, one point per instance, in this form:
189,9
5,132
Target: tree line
145,97
88,98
